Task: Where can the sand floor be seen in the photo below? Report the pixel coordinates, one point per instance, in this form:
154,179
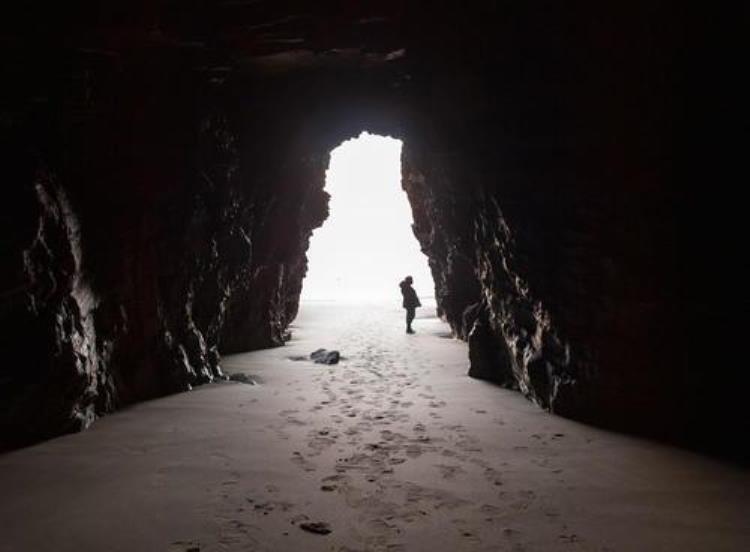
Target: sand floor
393,449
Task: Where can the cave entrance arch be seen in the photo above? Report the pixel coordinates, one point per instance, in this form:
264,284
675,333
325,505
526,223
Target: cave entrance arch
366,246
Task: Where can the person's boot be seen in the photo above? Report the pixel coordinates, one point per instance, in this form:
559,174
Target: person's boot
409,330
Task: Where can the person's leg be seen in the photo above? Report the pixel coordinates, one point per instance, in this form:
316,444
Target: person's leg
410,312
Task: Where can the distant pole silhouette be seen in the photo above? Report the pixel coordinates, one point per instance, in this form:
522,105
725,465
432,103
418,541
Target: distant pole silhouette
411,301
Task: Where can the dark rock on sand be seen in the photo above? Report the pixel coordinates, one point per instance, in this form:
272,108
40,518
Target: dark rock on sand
323,356
317,527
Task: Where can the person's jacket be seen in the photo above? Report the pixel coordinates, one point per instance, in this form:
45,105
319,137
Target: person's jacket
411,300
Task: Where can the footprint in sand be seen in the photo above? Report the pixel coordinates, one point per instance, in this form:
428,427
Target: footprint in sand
392,437
493,476
489,512
526,498
265,508
449,471
318,443
333,482
413,451
235,532
299,459
469,444
436,498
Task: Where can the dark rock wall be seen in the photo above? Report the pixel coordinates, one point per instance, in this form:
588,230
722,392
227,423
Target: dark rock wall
164,167
51,312
142,232
552,192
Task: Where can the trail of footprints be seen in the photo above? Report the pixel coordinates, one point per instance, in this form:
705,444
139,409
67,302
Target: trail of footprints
372,424
357,437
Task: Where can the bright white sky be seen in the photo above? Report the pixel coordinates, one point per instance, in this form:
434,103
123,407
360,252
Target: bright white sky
366,247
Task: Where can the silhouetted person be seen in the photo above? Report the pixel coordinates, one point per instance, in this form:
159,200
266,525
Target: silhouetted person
411,301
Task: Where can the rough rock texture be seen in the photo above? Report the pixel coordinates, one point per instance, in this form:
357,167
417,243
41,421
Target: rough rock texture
324,356
140,236
164,167
62,379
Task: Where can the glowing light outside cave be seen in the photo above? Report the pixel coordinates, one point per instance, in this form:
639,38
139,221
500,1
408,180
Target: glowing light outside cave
366,246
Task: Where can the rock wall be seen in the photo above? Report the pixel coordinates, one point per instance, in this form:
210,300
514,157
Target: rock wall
551,194
52,311
140,236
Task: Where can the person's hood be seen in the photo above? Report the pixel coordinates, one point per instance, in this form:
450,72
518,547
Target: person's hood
403,283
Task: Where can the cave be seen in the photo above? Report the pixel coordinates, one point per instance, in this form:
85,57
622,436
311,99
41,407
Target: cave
164,168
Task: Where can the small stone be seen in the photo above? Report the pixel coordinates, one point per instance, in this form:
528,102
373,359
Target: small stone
316,527
323,356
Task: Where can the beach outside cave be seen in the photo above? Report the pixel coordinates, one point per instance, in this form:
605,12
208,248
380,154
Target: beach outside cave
367,244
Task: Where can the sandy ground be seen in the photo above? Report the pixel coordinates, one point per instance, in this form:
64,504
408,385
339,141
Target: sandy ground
393,449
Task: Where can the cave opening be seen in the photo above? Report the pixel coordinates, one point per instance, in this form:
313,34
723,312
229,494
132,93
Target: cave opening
366,246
